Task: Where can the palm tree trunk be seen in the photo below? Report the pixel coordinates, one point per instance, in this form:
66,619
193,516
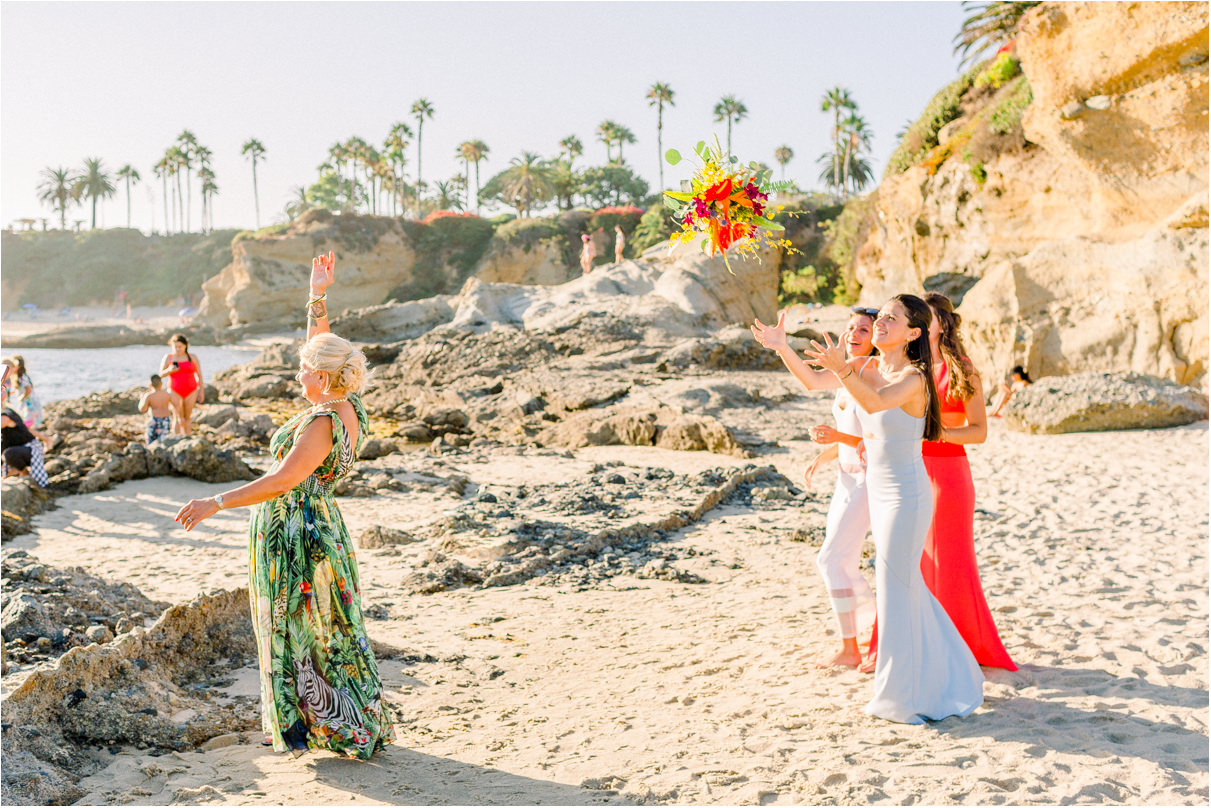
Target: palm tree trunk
660,142
729,134
164,179
477,189
188,200
420,128
256,201
94,227
836,150
128,202
845,170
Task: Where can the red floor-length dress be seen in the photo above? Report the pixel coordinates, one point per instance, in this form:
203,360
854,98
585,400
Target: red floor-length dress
948,562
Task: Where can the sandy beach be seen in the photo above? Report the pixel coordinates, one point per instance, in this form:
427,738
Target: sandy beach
1094,559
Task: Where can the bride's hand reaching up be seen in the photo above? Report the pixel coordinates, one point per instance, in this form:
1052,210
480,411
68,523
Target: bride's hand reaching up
771,336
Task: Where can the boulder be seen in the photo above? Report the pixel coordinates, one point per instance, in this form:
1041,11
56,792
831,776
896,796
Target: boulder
23,500
191,456
378,536
540,264
394,321
1096,402
700,434
625,426
215,416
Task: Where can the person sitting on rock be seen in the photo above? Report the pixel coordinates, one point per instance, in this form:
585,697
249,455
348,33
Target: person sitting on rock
159,402
1019,379
23,448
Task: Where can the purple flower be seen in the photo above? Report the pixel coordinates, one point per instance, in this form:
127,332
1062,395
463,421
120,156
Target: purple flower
701,209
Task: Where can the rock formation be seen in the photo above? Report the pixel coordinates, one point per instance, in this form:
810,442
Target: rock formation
1089,402
1087,249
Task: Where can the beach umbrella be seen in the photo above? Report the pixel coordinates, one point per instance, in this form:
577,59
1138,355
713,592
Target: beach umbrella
185,312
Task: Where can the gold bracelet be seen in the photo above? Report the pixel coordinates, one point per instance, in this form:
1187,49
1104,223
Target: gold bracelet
846,376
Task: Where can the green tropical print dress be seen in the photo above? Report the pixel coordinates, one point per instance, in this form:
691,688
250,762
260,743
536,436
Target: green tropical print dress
320,687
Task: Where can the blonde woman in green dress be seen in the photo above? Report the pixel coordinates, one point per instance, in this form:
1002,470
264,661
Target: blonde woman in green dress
320,686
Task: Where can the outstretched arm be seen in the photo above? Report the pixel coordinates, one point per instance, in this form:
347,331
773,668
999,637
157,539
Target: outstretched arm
774,338
323,270
313,446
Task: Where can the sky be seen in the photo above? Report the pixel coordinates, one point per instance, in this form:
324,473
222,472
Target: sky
120,81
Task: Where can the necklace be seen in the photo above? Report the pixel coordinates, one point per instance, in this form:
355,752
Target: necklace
319,404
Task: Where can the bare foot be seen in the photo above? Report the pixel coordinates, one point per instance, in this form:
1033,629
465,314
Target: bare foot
869,665
845,658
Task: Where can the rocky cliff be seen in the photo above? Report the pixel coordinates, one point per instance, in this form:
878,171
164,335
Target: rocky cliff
1082,246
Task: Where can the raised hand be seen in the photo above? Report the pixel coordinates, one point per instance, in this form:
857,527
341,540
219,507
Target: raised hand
828,356
323,270
771,336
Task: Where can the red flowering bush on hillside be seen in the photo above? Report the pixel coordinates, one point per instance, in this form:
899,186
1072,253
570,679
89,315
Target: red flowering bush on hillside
443,214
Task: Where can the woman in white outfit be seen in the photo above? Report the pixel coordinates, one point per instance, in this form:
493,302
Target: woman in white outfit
924,670
848,520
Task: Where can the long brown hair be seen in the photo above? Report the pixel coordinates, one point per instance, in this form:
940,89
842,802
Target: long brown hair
919,317
960,373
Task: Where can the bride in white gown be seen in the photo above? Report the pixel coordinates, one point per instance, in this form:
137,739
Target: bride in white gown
924,670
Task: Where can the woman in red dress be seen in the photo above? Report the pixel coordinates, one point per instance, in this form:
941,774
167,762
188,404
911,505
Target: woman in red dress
949,560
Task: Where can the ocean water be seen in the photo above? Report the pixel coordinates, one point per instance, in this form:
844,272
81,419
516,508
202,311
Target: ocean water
59,373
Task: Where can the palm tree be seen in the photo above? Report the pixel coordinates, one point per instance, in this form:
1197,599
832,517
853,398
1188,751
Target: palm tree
298,203
730,109
203,155
607,133
624,136
188,143
572,147
422,109
836,100
95,183
447,195
658,95
160,169
180,162
860,173
465,150
784,154
527,181
396,146
131,176
857,136
254,150
989,25
480,153
56,188
209,189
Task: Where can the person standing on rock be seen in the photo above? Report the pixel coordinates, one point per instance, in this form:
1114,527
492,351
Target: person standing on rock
320,685
848,518
924,671
184,373
587,253
28,403
620,243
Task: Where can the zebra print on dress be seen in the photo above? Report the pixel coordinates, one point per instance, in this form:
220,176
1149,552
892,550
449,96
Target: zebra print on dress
331,707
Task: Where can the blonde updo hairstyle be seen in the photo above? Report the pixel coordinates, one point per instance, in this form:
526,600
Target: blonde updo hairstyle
341,362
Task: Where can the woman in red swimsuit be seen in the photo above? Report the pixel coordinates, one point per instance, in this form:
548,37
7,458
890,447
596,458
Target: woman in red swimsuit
185,384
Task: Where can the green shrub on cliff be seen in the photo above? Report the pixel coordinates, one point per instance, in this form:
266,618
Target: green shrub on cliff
922,135
655,226
1007,116
1003,68
447,249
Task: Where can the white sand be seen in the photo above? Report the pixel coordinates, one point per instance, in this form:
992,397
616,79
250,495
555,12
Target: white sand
1093,549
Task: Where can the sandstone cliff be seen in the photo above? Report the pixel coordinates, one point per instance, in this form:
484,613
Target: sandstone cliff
1085,247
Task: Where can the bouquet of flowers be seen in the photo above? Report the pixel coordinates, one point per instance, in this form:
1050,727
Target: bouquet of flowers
725,202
